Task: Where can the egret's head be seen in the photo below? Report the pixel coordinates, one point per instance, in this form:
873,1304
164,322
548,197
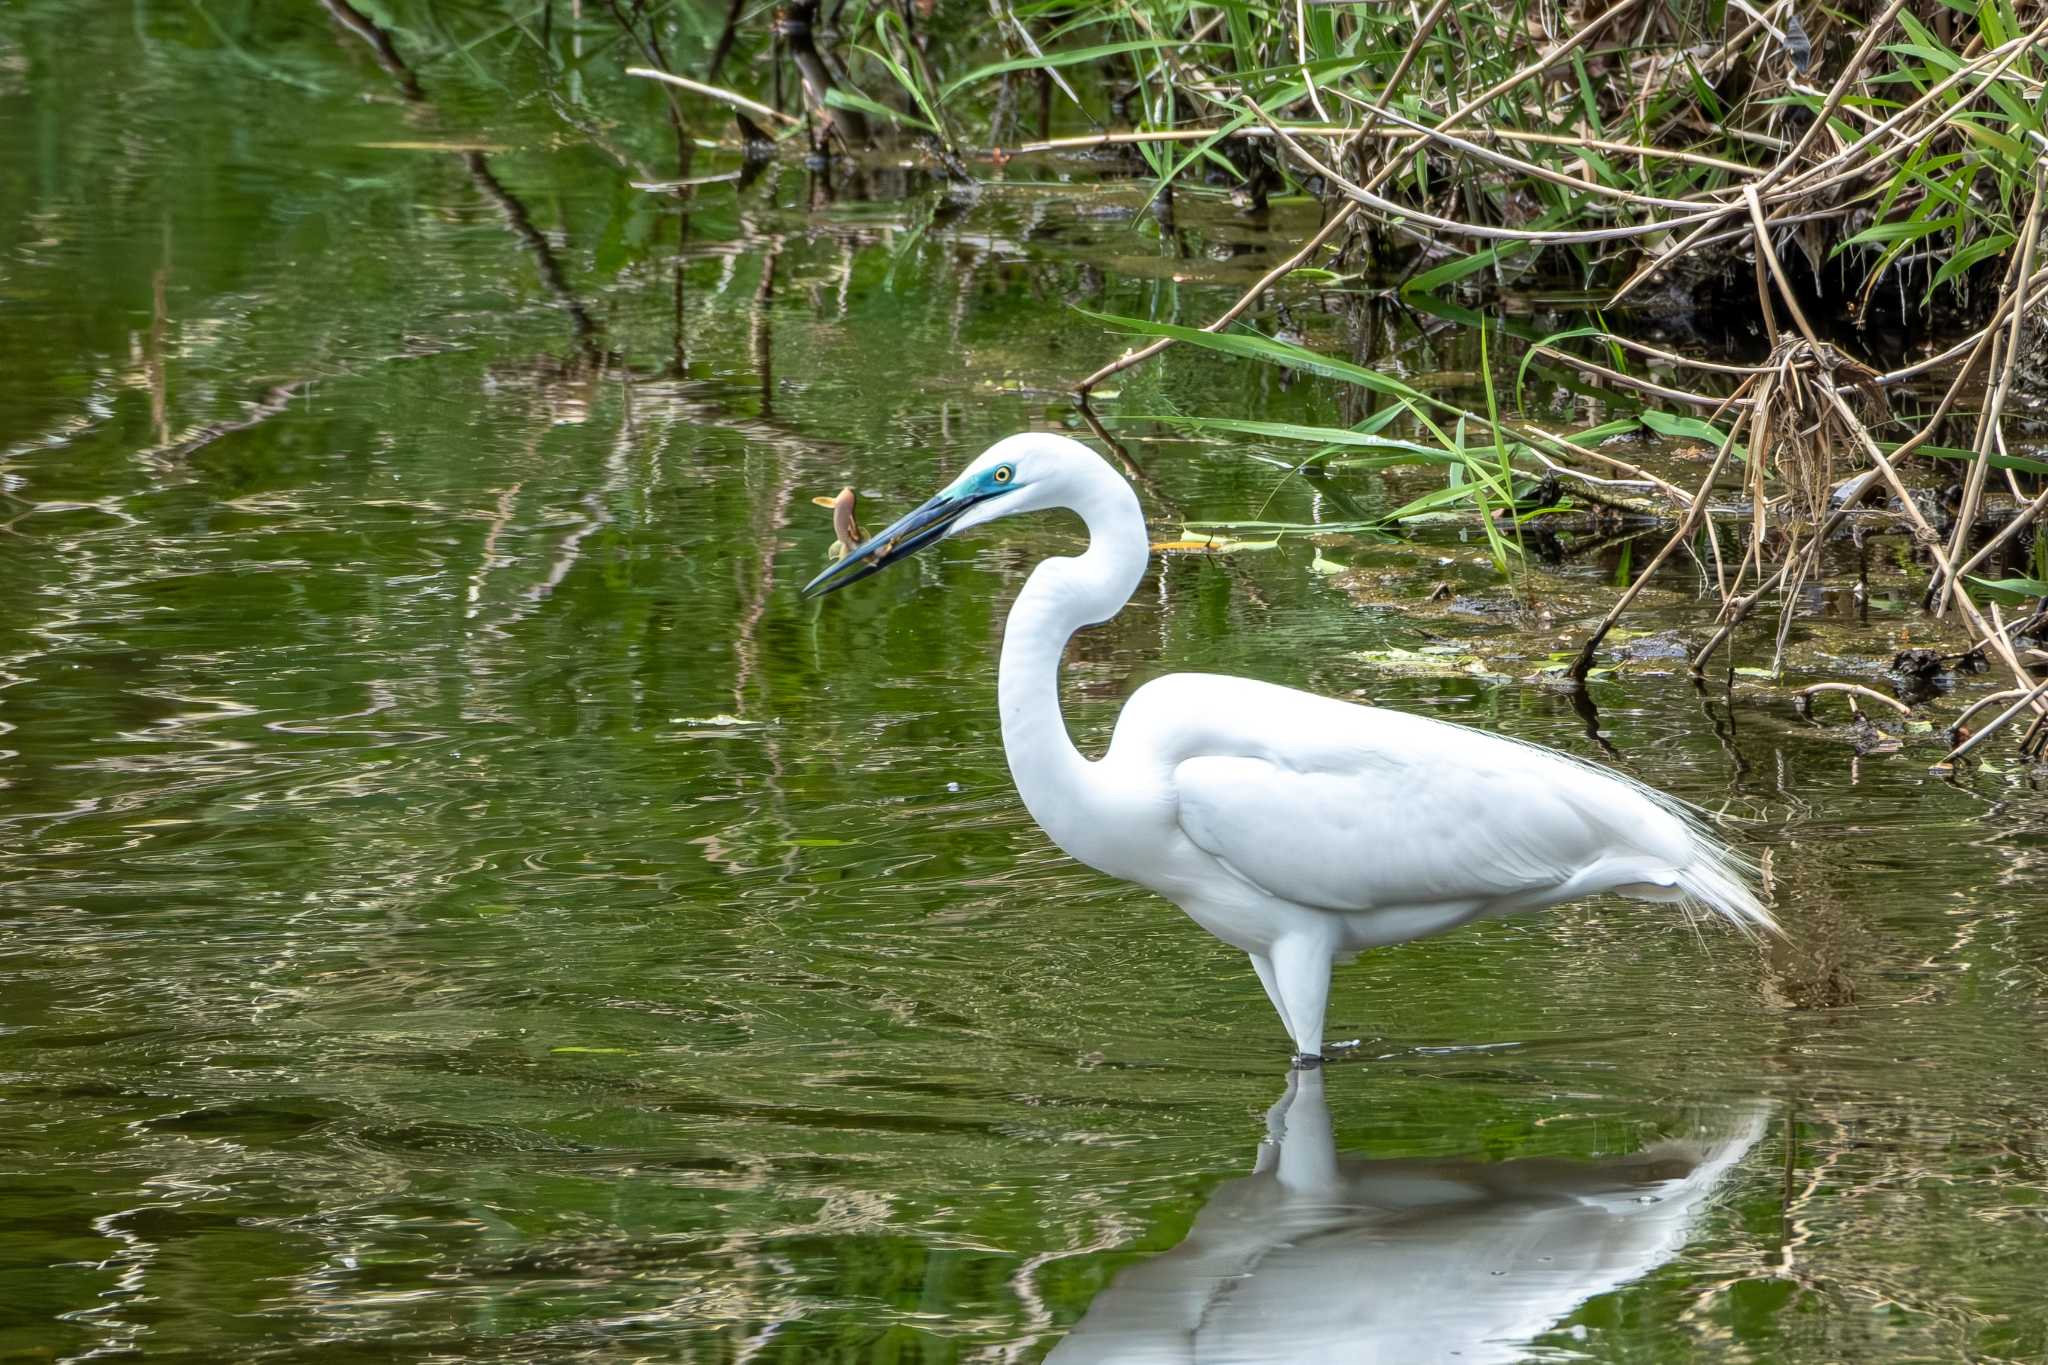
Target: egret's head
1017,474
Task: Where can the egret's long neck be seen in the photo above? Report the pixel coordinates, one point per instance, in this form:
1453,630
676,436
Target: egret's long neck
1061,596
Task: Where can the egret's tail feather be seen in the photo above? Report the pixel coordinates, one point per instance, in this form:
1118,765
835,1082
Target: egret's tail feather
1716,880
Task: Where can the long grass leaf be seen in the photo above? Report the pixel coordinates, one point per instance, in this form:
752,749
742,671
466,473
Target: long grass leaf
1072,57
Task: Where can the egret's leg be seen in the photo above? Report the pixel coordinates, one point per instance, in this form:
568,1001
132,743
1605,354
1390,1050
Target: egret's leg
1263,965
1301,971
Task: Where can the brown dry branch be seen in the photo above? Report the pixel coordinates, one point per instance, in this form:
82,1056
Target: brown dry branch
1795,428
1852,691
1988,430
1959,730
1932,542
2026,697
1693,517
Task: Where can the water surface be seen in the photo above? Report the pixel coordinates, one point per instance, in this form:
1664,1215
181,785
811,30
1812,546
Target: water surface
456,902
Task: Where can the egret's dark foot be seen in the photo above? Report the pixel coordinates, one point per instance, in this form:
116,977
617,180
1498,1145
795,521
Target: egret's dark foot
1307,1061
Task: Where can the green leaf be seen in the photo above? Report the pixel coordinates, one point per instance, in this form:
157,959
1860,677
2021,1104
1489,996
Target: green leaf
847,99
1450,272
2002,143
1969,256
1522,370
1051,59
1205,148
1252,346
2019,463
1669,424
885,19
1704,93
1895,231
1290,431
2017,592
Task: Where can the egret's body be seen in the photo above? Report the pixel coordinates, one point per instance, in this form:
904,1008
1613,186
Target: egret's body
1294,827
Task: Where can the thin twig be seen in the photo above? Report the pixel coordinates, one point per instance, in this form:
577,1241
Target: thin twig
1929,538
2032,697
737,100
1580,665
1852,690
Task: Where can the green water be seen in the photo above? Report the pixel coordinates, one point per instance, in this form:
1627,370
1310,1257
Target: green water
456,902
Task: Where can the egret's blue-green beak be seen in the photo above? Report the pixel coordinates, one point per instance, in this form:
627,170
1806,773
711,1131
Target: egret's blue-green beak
925,526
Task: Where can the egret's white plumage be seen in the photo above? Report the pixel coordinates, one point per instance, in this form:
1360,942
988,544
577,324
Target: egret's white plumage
1297,828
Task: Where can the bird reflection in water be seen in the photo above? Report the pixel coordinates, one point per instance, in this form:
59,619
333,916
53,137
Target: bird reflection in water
1318,1257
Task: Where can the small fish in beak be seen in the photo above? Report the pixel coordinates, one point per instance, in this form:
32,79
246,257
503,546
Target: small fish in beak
844,527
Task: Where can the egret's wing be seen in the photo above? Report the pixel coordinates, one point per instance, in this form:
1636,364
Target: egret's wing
1353,808
1383,835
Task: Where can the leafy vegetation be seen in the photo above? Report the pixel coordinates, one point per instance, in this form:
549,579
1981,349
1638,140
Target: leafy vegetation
1863,165
1892,147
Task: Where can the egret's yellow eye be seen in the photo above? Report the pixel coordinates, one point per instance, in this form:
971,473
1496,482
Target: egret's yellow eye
1002,474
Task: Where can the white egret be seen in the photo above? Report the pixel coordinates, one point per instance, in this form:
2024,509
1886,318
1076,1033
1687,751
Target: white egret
1296,828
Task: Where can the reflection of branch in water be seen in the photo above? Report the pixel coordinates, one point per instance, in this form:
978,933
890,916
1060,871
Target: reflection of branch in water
159,316
746,647
650,47
1109,1233
360,24
544,257
274,401
747,650
643,178
488,558
1582,706
1724,733
479,168
678,353
760,331
616,474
